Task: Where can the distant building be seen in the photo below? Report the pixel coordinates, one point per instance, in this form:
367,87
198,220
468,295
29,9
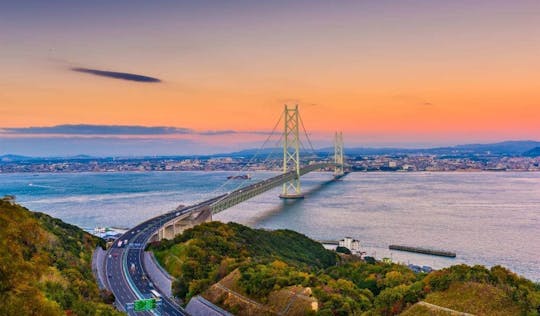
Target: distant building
407,167
419,269
352,244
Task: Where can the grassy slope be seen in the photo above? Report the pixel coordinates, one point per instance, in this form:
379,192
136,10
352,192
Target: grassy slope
419,310
475,298
45,266
469,297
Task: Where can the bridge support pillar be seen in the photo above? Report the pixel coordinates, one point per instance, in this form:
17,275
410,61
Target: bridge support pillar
177,226
291,153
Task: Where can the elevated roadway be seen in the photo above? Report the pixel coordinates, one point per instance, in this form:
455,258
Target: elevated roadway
124,268
126,274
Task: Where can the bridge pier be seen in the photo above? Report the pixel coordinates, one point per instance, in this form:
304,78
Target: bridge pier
292,196
178,225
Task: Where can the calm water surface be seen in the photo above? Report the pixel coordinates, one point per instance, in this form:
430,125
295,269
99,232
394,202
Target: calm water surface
486,218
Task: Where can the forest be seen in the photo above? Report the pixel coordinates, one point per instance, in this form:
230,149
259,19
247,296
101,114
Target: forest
45,266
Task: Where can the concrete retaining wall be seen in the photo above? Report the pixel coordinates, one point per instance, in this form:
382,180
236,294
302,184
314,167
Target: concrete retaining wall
159,277
98,267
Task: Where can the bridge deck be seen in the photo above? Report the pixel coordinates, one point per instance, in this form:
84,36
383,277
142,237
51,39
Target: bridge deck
247,192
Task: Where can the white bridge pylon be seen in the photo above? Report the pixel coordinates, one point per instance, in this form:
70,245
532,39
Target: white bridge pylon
291,153
338,155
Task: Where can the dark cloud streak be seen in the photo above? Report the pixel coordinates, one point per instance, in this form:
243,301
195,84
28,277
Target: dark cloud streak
88,129
117,75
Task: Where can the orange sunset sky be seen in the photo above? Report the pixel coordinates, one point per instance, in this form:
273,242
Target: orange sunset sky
386,73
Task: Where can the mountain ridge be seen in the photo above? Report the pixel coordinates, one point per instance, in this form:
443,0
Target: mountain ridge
511,147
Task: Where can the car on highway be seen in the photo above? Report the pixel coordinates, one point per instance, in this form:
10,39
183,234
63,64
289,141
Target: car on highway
155,294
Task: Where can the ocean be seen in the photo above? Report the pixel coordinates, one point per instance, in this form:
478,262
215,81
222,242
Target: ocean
487,218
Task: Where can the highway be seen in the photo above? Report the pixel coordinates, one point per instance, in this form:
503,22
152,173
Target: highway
124,269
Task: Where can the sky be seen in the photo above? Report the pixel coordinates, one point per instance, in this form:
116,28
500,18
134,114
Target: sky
180,77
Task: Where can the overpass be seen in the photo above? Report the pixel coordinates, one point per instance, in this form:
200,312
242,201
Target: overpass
126,273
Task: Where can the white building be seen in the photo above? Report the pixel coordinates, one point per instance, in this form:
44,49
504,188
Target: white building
352,244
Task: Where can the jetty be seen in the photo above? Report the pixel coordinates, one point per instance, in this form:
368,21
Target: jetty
426,251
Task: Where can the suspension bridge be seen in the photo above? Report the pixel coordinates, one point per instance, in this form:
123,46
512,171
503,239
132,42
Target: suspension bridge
127,276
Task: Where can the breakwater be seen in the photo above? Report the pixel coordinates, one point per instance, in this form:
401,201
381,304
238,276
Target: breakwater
426,251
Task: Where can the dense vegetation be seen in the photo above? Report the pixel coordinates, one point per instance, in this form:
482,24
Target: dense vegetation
482,291
206,253
272,260
45,266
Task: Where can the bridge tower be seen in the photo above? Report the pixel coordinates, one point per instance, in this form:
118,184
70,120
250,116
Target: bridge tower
291,153
338,154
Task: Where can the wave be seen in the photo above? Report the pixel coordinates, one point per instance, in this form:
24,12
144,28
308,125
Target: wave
40,186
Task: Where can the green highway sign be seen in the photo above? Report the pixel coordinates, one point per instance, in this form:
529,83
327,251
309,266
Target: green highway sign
144,305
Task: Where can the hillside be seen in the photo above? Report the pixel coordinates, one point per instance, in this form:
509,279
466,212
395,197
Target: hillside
535,152
250,271
45,266
511,148
475,298
206,253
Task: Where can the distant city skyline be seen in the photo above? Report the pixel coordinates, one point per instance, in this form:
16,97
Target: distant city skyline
214,75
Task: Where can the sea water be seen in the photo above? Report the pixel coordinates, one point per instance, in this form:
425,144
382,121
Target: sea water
487,218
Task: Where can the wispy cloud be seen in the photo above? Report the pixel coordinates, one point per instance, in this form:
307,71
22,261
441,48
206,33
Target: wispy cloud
117,130
409,99
218,132
117,75
226,132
